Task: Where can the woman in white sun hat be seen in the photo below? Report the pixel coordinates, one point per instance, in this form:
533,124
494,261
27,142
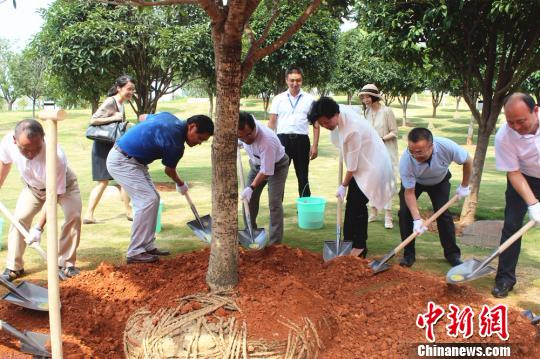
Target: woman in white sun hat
383,120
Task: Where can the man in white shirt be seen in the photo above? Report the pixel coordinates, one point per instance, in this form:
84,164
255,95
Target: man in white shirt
26,148
517,152
423,167
268,163
288,117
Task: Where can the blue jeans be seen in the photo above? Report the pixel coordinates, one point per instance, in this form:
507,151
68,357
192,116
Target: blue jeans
514,213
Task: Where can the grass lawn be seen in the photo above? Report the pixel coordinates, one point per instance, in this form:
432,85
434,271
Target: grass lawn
108,240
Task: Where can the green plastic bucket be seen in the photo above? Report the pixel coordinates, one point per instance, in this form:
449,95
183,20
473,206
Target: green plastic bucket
310,212
158,221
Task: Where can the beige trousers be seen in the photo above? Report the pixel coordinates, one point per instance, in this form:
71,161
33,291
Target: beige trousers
29,204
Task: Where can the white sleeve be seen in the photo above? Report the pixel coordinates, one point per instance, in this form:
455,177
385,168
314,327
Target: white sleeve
274,106
268,161
61,172
5,155
505,155
351,148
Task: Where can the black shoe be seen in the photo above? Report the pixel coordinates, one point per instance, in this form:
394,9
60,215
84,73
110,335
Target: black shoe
142,258
71,272
501,290
363,254
11,275
407,261
158,252
455,261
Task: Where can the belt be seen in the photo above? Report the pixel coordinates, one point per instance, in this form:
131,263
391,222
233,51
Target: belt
116,147
291,135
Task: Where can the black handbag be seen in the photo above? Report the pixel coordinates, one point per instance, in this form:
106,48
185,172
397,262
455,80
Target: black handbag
108,133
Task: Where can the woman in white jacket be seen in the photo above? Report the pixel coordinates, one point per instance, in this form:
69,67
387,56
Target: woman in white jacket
369,176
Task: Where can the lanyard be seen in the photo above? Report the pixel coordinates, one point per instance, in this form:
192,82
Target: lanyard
296,103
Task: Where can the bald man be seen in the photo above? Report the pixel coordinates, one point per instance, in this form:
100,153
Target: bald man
517,152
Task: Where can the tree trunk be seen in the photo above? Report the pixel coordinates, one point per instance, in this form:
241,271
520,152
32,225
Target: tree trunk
349,97
404,102
34,107
470,132
222,267
436,99
458,99
10,105
95,104
211,100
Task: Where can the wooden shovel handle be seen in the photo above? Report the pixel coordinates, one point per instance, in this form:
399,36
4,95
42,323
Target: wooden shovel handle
340,181
433,217
516,236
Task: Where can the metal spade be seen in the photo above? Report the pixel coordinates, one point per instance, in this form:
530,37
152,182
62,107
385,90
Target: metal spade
250,238
201,226
333,249
26,295
31,342
380,266
473,269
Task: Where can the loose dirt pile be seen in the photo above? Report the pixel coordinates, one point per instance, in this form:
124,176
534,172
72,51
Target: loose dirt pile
366,315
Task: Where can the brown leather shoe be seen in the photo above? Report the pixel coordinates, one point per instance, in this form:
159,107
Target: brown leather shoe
142,258
158,252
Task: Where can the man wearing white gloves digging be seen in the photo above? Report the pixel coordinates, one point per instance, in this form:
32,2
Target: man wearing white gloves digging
26,148
517,152
424,168
268,163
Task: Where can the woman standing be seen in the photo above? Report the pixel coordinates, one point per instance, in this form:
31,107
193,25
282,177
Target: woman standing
383,121
111,110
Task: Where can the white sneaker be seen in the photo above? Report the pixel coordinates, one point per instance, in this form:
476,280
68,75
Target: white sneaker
388,223
372,215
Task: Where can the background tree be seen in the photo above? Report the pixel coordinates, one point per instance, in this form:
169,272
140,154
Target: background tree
494,43
313,48
532,85
9,65
31,76
438,81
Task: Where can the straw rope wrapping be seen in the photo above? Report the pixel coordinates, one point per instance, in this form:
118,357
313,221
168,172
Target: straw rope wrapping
201,334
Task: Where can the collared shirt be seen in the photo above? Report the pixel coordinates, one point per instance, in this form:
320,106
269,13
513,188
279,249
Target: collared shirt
364,154
33,172
292,112
160,136
515,152
431,172
266,150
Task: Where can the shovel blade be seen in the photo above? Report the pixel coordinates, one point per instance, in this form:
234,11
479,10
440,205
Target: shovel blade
331,250
35,297
257,242
464,272
379,266
38,338
205,232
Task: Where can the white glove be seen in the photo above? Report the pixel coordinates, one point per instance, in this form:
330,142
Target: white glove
246,193
182,189
418,226
33,236
341,191
463,192
534,212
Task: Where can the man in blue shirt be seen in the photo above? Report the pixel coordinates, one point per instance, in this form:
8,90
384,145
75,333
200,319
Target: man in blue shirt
424,168
160,136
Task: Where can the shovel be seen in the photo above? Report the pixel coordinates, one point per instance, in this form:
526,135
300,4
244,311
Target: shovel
201,226
332,249
473,269
380,266
31,342
250,238
25,233
26,295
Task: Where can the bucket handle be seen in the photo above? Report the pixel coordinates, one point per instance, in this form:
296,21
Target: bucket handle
304,189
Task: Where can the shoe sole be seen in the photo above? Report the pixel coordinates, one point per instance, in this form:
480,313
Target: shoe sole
138,261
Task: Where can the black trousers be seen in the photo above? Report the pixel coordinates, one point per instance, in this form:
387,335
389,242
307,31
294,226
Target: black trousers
356,216
439,194
514,213
297,147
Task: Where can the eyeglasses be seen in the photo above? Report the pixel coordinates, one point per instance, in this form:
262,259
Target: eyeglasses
419,153
251,134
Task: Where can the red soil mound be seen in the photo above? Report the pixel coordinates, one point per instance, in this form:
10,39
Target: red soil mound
369,315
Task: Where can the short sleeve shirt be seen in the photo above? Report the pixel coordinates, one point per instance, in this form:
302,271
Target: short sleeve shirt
515,152
266,150
160,136
292,112
33,172
430,173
